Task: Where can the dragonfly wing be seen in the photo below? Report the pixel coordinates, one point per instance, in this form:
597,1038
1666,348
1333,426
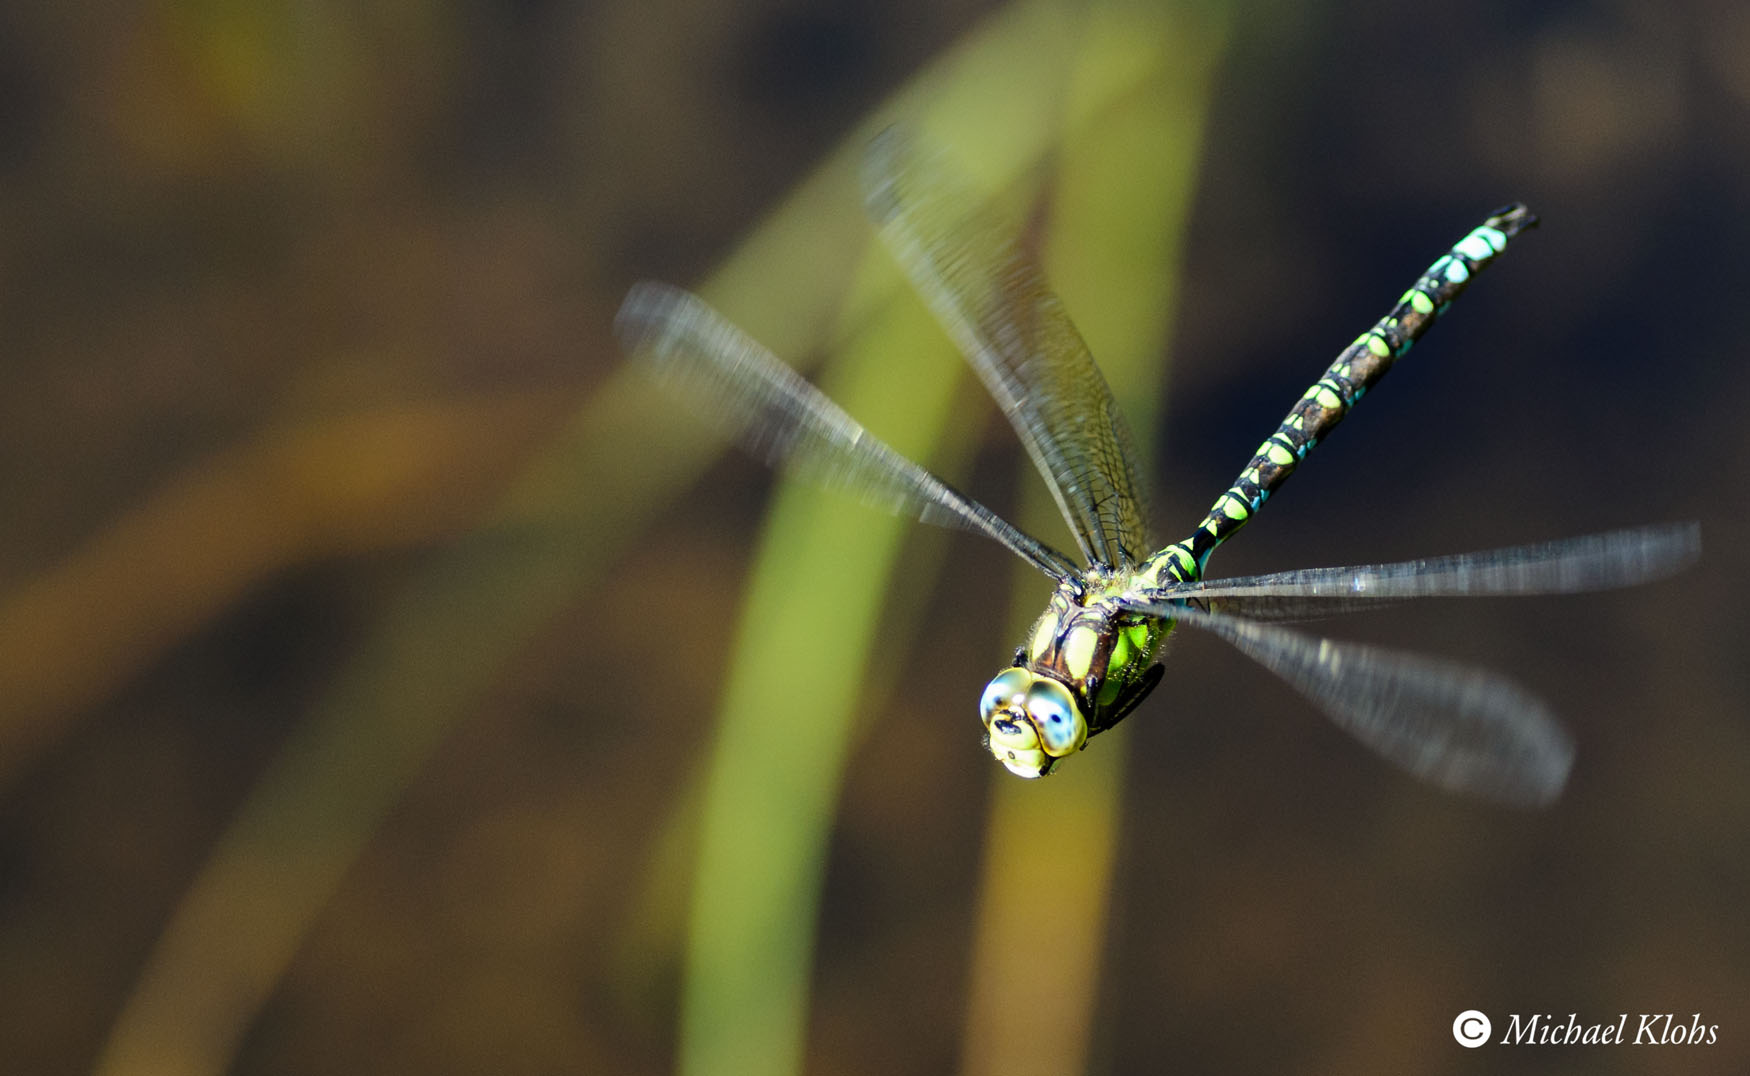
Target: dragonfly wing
991,296
1571,565
1459,727
784,420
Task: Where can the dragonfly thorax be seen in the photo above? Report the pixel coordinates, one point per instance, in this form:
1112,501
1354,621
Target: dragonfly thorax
1087,662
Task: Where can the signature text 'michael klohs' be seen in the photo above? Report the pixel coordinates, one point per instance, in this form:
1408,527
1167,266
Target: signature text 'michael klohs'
1651,1029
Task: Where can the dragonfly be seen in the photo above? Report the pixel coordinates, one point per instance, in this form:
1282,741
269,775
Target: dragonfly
1096,651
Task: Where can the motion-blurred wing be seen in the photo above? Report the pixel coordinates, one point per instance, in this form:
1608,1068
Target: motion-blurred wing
784,420
1571,565
991,296
1459,727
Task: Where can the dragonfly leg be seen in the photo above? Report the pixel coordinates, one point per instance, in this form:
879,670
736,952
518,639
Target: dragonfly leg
1132,695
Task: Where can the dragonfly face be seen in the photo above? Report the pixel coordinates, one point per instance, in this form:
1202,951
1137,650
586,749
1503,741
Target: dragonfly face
1086,664
1031,721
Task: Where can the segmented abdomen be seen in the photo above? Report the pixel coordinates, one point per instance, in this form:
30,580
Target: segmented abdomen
1356,370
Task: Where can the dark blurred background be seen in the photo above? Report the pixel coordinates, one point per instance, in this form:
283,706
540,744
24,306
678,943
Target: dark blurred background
302,303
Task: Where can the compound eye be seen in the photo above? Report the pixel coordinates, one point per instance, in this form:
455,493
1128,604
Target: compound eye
1003,691
1055,714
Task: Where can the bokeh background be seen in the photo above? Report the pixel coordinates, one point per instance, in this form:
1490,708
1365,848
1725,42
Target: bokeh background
389,682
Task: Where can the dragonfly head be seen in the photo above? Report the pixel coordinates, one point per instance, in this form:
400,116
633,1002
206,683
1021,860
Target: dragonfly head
1031,721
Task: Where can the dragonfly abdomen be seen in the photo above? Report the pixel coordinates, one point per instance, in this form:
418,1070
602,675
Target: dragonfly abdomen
1357,369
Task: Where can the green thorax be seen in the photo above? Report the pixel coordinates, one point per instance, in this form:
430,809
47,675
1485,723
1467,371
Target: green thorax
1108,655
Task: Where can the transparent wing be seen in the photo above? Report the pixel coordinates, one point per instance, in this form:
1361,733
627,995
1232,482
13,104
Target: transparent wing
991,296
1459,727
1594,562
784,420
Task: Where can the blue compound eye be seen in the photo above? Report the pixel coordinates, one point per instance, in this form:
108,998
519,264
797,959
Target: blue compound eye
1003,691
1055,714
